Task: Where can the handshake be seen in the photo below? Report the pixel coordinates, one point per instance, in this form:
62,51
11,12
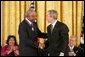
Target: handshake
41,42
41,45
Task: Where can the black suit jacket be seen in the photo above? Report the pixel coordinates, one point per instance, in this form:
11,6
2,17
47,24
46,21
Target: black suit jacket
27,39
58,39
78,51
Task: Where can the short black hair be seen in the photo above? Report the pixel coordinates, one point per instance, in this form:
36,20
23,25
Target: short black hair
9,37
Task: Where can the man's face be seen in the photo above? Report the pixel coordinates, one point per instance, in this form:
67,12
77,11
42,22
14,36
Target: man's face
48,17
33,16
72,42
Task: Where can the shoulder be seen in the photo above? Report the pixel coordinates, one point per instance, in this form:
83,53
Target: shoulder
23,24
5,46
63,26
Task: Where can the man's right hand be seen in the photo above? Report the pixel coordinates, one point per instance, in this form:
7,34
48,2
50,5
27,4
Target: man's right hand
41,45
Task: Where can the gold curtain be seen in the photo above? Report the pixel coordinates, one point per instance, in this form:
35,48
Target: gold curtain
69,12
12,14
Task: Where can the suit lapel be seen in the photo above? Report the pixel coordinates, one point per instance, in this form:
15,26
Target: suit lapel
35,27
49,30
28,26
55,27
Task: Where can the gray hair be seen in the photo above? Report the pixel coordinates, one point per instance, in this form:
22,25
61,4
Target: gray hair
29,12
73,37
53,13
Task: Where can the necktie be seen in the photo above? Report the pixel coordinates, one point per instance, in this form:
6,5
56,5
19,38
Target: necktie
51,28
32,27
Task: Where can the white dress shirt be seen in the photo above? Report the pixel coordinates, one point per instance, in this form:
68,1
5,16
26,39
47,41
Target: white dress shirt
53,24
28,21
71,48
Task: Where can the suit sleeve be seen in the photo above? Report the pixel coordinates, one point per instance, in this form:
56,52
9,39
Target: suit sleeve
24,37
63,41
40,34
64,38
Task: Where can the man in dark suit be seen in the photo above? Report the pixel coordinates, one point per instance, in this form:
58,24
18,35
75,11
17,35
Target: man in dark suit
73,49
28,33
82,40
72,46
57,35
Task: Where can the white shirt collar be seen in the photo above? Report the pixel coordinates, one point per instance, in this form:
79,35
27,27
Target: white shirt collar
82,40
54,23
28,21
71,48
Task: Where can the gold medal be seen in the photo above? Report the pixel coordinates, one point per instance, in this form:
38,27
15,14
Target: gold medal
32,29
